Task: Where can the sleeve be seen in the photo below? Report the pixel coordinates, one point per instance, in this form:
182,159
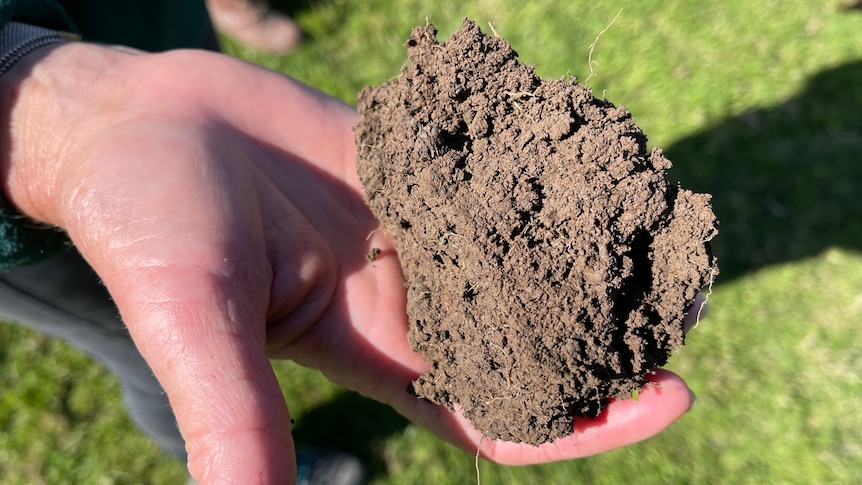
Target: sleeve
23,241
45,13
148,25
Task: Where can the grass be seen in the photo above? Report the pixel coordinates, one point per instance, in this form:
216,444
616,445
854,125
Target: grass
755,102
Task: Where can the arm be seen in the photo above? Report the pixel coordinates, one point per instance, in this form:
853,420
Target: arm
220,205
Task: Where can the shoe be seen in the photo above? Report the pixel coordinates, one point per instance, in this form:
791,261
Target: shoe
316,466
256,25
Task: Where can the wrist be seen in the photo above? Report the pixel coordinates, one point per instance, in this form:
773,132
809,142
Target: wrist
46,105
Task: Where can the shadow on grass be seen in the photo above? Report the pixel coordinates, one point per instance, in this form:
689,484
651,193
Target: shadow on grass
786,180
354,424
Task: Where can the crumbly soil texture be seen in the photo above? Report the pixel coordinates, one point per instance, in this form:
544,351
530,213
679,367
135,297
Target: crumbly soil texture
548,261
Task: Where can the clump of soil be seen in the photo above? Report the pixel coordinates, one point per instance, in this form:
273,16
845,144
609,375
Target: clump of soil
549,262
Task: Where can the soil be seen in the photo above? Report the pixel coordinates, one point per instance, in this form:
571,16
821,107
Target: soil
548,261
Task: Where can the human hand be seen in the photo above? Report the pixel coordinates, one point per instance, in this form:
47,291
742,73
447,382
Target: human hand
219,203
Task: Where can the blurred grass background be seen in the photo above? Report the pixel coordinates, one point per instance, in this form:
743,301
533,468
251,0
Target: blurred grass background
757,102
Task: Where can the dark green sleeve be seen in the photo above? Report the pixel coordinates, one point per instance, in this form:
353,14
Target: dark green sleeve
23,241
45,13
150,25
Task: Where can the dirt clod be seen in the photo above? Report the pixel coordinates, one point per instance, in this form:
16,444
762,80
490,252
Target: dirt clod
549,263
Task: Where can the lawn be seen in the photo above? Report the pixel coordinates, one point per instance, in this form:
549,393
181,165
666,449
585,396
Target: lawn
756,102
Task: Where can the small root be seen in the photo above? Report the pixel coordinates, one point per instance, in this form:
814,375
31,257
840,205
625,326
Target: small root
476,463
590,61
705,298
519,94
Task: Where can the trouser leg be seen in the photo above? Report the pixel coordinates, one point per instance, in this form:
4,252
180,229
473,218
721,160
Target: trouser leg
63,298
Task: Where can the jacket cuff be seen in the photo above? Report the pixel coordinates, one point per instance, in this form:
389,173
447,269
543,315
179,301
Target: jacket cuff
17,40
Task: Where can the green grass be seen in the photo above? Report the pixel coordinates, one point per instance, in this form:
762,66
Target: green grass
757,103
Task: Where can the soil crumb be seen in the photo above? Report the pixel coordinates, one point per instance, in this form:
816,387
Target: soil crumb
548,261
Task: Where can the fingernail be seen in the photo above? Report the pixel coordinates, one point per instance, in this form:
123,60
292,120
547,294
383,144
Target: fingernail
693,399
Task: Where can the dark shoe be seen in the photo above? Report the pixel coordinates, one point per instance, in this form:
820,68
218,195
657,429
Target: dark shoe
316,466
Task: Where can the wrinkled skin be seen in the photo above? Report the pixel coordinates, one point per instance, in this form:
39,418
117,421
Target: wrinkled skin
219,203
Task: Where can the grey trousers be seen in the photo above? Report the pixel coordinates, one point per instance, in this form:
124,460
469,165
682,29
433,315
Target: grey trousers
64,298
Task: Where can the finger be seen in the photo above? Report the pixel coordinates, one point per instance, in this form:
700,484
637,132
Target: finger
201,328
310,124
193,330
664,400
185,261
624,422
200,325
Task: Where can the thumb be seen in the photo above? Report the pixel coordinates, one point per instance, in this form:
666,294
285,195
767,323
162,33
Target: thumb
193,290
184,256
206,346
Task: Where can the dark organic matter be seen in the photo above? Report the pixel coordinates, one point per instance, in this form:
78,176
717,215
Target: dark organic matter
549,262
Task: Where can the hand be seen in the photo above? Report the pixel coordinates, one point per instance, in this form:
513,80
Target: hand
219,203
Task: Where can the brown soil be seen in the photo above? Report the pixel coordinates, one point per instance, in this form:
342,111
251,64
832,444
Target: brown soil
549,263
